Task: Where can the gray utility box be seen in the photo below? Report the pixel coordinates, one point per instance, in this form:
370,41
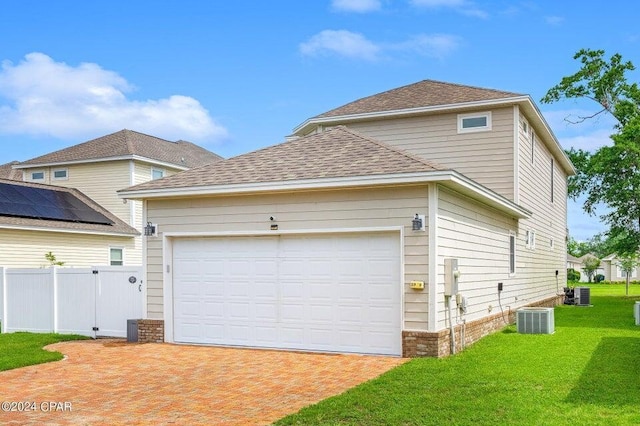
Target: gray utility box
132,330
636,312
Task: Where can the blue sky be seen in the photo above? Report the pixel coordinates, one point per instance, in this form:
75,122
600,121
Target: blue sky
237,76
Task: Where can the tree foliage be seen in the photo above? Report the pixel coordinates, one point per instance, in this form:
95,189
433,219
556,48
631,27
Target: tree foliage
51,258
610,175
627,265
590,265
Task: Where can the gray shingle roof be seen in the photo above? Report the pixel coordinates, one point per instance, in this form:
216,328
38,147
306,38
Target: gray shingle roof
8,172
424,93
119,227
129,143
337,152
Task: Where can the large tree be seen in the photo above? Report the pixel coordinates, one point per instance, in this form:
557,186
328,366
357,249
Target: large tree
610,176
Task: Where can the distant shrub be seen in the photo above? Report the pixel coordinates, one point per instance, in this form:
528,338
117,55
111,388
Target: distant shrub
599,278
573,275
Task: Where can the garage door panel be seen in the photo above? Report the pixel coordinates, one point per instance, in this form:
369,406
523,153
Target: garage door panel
321,292
292,313
265,311
321,313
267,336
213,309
349,291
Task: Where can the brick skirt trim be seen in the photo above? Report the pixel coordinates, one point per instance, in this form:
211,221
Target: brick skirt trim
438,344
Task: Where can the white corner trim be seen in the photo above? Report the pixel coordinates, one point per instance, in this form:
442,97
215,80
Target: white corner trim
516,154
433,258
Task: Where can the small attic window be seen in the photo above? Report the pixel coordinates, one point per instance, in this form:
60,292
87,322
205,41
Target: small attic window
157,173
60,174
476,122
37,175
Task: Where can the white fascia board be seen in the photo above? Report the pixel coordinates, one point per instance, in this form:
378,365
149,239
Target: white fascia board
449,178
409,111
65,231
102,160
555,147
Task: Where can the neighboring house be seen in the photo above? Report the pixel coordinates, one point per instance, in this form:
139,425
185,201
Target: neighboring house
323,242
8,172
101,166
577,263
36,219
612,271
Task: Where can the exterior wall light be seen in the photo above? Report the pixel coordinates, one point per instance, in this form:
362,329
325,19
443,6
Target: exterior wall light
417,224
150,230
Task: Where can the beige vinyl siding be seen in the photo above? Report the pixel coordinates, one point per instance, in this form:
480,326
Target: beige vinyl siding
334,210
484,156
26,249
99,181
548,219
478,237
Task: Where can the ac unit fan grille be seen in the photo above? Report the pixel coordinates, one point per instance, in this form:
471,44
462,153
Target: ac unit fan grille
535,321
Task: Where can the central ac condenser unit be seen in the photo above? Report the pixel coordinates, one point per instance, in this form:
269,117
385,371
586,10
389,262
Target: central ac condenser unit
535,321
582,296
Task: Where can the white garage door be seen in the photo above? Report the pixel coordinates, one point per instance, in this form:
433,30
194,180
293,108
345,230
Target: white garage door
323,292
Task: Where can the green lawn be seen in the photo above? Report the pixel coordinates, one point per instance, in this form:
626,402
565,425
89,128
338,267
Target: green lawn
22,349
587,373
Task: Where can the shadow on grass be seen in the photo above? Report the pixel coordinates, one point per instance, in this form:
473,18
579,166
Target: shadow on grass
611,376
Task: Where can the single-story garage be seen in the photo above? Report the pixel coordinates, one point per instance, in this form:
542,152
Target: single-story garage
329,242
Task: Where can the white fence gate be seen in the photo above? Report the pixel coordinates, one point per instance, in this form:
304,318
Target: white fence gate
95,302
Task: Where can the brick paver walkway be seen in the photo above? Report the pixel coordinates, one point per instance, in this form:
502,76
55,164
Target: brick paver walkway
113,382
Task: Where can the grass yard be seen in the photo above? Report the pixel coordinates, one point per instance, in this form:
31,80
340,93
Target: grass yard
22,349
587,373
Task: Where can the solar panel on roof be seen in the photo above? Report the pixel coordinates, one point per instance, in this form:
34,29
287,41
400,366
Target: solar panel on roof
41,203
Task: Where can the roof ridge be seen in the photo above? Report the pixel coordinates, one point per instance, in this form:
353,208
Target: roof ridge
392,148
468,85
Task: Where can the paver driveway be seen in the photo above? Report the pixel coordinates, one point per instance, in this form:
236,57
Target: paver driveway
112,382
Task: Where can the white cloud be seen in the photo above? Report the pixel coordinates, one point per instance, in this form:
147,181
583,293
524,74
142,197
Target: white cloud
464,7
356,46
554,20
359,6
44,97
342,43
433,45
589,135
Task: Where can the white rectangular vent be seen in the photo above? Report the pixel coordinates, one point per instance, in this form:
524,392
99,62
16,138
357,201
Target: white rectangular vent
582,296
535,321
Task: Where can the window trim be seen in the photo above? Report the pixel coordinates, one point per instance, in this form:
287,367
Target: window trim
533,145
111,260
462,117
530,239
33,179
157,169
552,180
66,174
512,253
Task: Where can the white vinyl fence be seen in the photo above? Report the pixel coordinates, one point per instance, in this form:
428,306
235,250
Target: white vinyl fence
95,302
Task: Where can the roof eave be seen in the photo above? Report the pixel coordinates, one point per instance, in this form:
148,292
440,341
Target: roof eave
556,148
406,111
101,160
449,178
68,230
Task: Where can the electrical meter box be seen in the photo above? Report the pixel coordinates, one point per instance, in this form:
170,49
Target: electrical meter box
451,275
